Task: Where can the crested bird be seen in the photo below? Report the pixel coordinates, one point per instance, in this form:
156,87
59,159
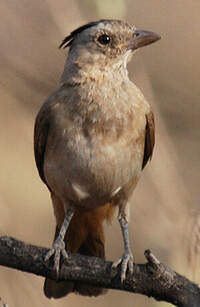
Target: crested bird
93,137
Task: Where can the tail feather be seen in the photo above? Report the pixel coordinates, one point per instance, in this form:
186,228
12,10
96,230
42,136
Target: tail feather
91,247
57,289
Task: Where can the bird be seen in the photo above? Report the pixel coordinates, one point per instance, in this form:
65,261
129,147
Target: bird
93,136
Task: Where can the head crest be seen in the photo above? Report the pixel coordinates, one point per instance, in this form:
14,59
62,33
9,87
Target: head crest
67,42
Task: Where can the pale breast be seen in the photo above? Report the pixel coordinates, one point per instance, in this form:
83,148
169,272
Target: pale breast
84,166
96,153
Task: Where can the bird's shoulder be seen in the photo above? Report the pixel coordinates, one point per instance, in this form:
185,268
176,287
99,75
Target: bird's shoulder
145,121
45,118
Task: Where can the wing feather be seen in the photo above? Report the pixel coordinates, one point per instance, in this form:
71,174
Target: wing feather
41,132
149,138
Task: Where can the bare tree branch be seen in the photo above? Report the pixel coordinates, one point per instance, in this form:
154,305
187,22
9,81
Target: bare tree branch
152,279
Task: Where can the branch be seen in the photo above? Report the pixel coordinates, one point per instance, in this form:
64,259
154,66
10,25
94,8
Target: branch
152,279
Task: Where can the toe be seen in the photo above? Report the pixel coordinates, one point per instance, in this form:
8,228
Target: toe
116,263
49,254
64,254
124,267
56,251
130,265
56,261
123,275
126,262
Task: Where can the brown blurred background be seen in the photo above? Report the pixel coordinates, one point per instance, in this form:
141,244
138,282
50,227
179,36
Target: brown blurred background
167,197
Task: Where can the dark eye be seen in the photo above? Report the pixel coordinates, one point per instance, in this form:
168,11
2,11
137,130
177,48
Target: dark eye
136,34
104,39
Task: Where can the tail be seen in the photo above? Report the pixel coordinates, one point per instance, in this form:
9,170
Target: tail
84,236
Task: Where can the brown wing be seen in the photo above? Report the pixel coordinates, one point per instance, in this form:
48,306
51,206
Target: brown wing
40,139
149,138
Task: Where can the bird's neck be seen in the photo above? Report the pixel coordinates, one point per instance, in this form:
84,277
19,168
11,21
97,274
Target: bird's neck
76,72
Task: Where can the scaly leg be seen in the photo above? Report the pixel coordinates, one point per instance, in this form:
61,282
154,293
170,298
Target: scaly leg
59,244
127,258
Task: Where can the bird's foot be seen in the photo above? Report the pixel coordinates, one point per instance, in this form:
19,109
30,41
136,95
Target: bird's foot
126,262
57,250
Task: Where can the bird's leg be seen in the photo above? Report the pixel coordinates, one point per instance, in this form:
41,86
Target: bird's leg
59,244
127,258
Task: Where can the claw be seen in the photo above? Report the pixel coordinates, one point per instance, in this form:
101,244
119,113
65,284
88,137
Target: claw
116,263
57,250
126,262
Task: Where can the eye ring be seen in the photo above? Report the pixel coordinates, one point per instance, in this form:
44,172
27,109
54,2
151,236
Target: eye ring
104,39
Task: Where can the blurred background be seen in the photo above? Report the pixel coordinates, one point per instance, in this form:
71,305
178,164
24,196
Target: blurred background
165,205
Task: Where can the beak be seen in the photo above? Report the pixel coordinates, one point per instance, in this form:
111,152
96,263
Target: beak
143,38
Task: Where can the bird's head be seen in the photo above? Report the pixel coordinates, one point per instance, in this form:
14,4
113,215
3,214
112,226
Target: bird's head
106,43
